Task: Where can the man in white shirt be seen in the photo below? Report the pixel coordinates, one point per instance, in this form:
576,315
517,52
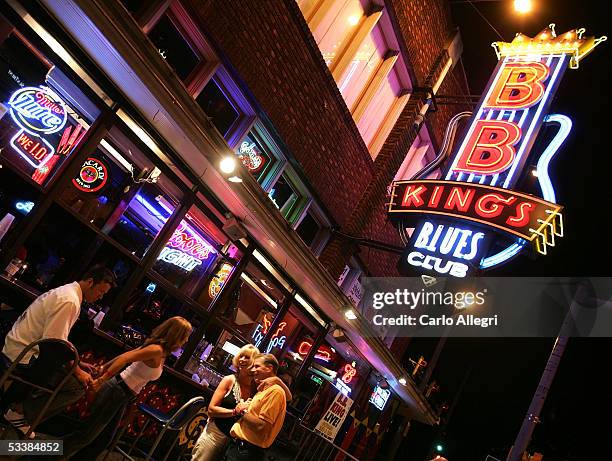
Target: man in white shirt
51,315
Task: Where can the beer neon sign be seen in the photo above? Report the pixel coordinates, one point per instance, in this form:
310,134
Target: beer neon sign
322,352
37,111
478,187
185,249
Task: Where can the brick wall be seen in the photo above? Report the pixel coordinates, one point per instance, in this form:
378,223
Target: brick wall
270,47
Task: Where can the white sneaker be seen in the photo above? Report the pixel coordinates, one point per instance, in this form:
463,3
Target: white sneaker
19,422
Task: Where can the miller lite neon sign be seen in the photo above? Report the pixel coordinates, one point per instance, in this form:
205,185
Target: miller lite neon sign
37,111
476,219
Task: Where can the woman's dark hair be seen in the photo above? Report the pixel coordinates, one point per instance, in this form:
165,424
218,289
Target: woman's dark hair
100,274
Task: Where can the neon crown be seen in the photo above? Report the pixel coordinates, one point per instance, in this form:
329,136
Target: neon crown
547,41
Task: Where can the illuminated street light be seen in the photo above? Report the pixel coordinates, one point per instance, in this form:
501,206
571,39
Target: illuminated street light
523,6
350,314
227,165
402,381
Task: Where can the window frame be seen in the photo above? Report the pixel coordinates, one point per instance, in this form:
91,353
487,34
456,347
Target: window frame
323,234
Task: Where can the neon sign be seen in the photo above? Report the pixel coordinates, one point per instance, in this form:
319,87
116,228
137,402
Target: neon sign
380,397
250,158
349,373
445,249
215,285
92,176
24,207
476,219
322,352
276,340
37,111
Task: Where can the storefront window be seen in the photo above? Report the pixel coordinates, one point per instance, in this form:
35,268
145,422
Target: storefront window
119,190
212,358
190,255
174,47
254,304
43,115
148,306
53,253
218,107
294,327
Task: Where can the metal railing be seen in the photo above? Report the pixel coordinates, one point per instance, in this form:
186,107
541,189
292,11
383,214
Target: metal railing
306,444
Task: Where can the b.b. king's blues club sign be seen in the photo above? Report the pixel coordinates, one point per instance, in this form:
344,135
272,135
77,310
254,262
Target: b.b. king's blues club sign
476,217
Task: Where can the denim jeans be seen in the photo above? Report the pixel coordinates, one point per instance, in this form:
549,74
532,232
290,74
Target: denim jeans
240,450
96,432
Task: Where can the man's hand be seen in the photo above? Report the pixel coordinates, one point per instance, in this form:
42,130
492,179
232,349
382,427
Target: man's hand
84,378
89,368
242,407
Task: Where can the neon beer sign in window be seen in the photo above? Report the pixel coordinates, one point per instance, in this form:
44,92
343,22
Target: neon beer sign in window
475,208
37,111
186,249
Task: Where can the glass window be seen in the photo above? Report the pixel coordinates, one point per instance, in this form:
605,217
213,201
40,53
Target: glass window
55,249
308,229
144,217
17,199
360,71
174,47
218,107
255,156
379,108
254,303
284,195
190,255
212,358
119,190
148,306
43,115
334,33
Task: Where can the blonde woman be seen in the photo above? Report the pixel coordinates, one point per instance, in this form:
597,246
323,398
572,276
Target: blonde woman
222,412
117,386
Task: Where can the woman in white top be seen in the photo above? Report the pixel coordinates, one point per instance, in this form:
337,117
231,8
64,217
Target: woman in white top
222,409
114,390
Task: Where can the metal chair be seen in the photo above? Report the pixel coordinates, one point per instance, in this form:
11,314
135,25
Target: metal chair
174,423
53,355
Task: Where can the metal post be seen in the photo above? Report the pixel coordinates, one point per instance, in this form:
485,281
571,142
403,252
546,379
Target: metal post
548,375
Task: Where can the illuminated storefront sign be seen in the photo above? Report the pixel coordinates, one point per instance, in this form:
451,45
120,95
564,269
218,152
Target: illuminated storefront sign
380,397
24,207
262,329
186,249
92,176
37,111
476,219
250,158
323,352
215,285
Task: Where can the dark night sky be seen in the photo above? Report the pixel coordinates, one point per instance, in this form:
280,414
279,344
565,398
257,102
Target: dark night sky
505,372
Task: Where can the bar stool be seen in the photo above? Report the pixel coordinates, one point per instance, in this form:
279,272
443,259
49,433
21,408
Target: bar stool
53,354
174,423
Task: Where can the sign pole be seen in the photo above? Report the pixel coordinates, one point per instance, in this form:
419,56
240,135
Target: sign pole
548,375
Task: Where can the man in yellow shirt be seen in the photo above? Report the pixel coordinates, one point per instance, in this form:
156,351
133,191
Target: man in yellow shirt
262,419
